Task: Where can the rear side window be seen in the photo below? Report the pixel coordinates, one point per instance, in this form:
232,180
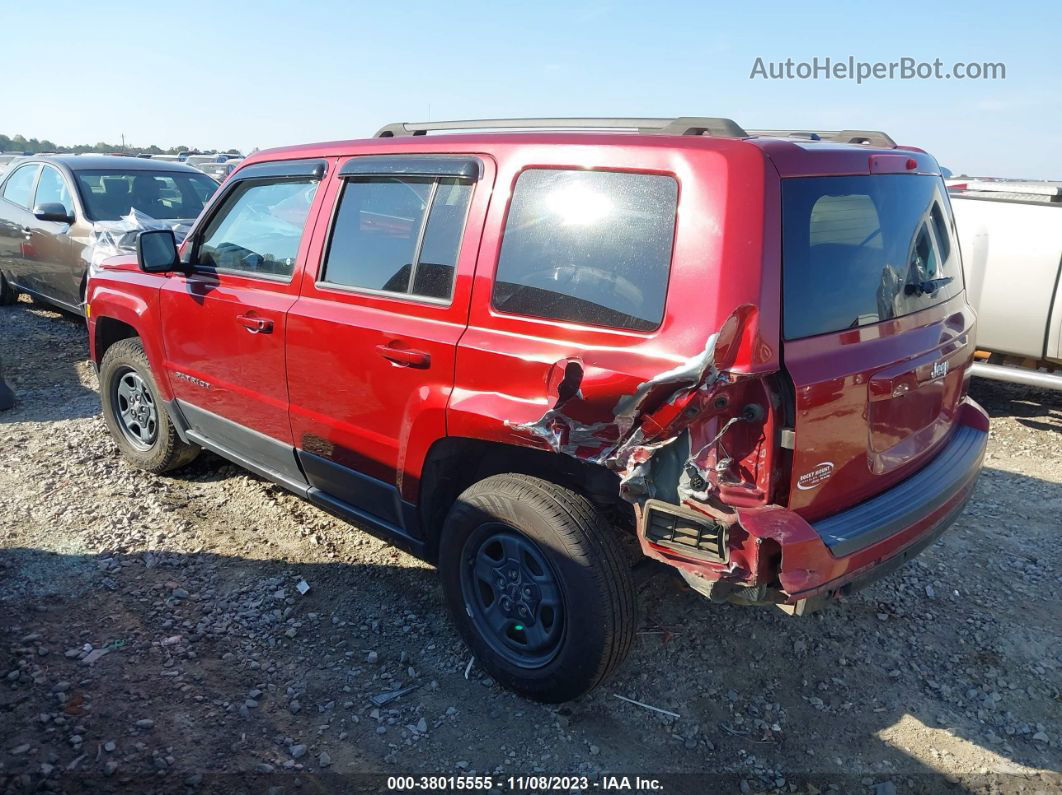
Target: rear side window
589,247
398,235
258,229
19,185
861,250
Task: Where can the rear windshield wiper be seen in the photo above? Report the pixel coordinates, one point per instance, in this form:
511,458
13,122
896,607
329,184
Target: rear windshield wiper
928,287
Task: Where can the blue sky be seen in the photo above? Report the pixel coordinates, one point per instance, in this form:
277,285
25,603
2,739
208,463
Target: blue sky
266,73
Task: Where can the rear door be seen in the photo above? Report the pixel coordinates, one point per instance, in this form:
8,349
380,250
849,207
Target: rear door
372,339
877,331
225,324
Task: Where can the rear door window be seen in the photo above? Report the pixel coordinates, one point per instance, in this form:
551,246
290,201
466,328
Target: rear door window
398,235
591,247
861,250
19,186
258,229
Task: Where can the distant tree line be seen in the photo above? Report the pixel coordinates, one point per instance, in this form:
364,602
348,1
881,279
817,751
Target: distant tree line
19,143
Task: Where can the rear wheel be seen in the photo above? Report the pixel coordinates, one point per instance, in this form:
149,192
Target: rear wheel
134,413
8,294
538,585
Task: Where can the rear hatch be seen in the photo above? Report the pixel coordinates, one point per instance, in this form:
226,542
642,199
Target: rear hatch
877,333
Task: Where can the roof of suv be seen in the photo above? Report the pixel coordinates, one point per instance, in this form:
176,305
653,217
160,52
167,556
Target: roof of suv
791,158
793,153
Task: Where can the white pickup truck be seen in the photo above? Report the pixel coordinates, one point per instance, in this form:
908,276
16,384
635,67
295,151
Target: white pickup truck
1010,234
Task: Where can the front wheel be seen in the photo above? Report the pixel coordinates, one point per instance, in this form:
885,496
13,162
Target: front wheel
538,585
134,413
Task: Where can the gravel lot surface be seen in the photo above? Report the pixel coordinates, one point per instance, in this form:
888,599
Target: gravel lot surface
152,636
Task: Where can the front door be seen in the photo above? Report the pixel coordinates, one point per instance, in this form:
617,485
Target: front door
58,268
372,339
225,324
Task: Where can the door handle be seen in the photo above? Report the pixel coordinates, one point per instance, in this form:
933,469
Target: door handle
255,324
404,356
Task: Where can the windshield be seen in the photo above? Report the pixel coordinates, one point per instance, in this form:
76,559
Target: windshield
860,250
165,195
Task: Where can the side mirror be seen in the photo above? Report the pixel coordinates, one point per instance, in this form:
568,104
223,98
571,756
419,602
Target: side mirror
53,211
156,251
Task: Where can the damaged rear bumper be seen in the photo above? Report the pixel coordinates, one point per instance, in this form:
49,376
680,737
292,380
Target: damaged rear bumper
775,556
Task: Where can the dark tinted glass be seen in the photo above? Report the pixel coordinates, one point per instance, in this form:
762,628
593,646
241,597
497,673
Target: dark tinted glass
589,247
52,189
940,226
19,185
110,195
860,250
378,228
374,239
259,227
434,275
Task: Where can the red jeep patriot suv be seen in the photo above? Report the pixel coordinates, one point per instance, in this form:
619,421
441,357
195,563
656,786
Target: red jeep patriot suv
512,352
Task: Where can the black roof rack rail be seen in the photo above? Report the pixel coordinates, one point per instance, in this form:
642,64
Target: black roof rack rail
683,125
870,137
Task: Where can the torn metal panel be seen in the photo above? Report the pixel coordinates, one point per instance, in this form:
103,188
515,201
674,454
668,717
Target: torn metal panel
565,435
642,422
696,370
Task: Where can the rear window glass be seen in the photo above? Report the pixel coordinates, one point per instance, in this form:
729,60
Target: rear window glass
861,250
589,247
110,195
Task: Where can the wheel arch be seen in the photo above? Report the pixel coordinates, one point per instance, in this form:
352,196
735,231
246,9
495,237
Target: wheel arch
119,321
109,330
455,463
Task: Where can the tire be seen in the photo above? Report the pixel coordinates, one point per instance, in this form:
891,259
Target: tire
7,397
8,294
149,441
532,534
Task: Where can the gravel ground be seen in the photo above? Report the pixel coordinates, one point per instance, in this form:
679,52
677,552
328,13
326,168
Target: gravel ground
152,636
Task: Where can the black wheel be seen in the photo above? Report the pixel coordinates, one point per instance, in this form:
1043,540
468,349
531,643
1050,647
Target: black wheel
134,413
8,294
538,585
